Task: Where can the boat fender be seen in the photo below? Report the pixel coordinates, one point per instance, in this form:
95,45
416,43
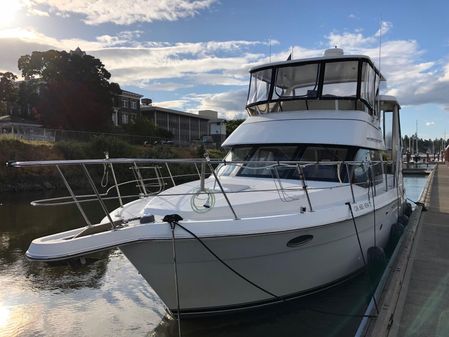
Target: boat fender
376,261
408,209
396,231
403,220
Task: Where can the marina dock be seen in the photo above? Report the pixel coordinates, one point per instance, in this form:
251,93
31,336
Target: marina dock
415,299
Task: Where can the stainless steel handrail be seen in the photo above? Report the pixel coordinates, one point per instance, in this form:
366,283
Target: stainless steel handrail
136,167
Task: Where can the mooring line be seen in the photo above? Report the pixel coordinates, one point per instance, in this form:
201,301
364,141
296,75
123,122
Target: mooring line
174,219
361,251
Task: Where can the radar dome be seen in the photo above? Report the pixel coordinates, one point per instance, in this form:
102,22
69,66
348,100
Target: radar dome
333,52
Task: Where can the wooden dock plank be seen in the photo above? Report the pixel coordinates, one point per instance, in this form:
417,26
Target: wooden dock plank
422,306
426,305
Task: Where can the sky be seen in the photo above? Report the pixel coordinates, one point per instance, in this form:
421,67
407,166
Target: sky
194,55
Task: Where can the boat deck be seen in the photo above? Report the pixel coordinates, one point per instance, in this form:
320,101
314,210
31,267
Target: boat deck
416,300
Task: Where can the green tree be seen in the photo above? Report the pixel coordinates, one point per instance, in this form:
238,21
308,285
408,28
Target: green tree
142,126
27,96
74,90
232,125
8,91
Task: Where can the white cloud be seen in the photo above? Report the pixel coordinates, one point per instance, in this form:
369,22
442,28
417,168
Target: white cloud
430,123
230,105
384,28
180,104
122,12
409,78
222,67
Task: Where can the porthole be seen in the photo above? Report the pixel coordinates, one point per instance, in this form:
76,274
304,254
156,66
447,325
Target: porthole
300,240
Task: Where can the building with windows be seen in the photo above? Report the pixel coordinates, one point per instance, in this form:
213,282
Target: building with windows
185,127
126,107
216,126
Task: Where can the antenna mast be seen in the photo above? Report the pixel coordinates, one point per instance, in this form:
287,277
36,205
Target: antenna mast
380,42
269,41
380,55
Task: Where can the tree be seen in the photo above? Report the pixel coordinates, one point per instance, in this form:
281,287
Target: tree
7,90
232,125
142,126
74,90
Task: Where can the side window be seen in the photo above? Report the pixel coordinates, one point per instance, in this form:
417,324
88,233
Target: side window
264,154
361,168
325,157
377,164
236,154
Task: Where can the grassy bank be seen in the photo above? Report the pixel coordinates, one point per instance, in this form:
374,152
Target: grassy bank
47,178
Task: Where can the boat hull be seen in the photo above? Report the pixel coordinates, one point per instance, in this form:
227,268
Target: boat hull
281,264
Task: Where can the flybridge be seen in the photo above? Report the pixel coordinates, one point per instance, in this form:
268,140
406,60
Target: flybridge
332,82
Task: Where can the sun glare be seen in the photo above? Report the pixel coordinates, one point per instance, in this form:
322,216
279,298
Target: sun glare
4,316
8,11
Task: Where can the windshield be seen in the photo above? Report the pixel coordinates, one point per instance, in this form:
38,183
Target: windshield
316,85
262,161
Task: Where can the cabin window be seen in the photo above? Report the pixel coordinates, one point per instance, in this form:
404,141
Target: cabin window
259,89
240,153
387,128
340,79
321,85
326,156
297,81
360,169
377,167
369,85
370,165
319,161
267,154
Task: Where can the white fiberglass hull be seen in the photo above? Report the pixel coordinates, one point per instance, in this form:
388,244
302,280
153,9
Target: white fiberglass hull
329,254
283,252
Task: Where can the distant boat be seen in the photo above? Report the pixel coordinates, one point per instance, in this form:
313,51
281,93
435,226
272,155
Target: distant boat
311,183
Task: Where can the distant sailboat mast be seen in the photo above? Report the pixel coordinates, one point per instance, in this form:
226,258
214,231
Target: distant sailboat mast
416,139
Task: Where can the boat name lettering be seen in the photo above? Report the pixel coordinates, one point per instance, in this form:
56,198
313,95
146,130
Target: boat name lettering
362,206
374,139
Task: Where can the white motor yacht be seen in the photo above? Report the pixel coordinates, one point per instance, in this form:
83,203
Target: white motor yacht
312,180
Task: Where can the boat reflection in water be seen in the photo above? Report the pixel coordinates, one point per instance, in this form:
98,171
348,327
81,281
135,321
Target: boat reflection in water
311,185
104,297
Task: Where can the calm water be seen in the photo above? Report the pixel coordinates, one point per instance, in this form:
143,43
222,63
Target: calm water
109,298
414,186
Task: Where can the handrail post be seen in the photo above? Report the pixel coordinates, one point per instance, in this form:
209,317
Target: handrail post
197,171
92,184
350,176
395,174
86,219
385,176
203,175
304,186
116,185
221,188
139,176
171,176
373,179
159,177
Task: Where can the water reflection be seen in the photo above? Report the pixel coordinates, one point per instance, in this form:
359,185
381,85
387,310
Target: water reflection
22,223
335,312
414,186
106,297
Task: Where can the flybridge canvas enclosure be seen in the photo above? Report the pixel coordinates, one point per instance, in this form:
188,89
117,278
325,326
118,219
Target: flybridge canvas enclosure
350,79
